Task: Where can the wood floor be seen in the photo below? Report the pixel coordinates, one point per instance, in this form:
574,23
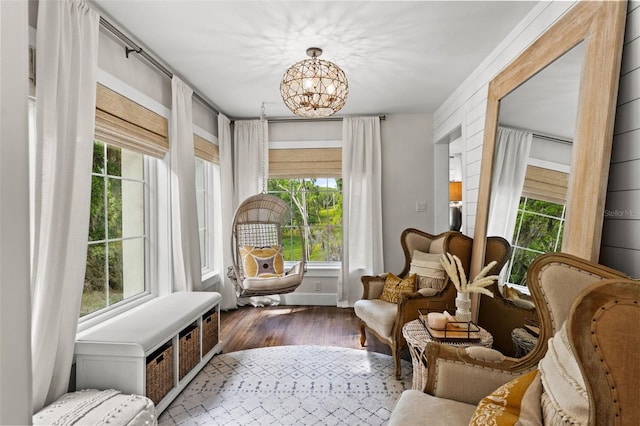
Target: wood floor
248,327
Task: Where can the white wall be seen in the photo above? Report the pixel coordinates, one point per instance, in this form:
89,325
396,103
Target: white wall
407,178
620,247
467,106
15,302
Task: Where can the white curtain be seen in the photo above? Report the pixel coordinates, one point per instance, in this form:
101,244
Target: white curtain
67,58
251,158
187,269
361,205
225,211
509,169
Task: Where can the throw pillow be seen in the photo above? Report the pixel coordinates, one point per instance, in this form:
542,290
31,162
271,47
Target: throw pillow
427,266
393,286
514,403
262,262
564,399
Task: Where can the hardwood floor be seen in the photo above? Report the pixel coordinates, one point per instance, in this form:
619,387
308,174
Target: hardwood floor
248,327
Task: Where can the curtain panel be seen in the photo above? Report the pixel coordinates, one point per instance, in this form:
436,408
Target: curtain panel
361,205
224,212
251,158
187,270
67,57
509,168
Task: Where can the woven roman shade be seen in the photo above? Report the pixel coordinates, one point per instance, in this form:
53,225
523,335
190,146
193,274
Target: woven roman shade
206,150
305,163
545,184
124,123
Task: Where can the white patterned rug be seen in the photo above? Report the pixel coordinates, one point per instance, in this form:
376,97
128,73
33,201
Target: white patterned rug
286,385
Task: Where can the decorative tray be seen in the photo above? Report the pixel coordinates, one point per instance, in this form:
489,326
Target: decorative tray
454,330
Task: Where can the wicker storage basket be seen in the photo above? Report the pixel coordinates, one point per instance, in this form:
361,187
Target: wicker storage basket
160,373
209,330
189,354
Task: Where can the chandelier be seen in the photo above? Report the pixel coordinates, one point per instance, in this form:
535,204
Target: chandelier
314,87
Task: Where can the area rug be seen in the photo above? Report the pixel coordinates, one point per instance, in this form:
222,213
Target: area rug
286,385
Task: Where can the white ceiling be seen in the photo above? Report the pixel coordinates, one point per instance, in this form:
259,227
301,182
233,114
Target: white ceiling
399,57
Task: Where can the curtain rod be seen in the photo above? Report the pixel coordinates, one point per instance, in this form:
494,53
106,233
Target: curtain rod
133,47
552,138
307,120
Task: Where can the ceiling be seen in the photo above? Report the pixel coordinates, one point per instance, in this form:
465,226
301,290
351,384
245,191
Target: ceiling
399,57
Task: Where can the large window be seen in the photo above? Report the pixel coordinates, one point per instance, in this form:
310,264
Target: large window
116,255
539,227
317,204
204,207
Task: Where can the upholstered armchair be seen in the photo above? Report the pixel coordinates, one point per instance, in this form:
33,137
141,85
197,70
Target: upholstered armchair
459,378
384,319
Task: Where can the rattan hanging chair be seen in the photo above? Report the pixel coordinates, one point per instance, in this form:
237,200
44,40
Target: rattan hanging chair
256,244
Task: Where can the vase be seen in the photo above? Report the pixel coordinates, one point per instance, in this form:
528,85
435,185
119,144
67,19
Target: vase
463,307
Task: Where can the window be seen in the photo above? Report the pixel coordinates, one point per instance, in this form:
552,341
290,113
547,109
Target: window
203,200
539,227
117,251
317,204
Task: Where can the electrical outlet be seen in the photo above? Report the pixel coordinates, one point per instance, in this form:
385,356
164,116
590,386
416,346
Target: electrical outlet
316,286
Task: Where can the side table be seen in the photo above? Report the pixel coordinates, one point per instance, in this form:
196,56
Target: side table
417,338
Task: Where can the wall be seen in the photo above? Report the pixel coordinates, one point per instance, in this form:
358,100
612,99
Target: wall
15,301
621,232
467,106
407,178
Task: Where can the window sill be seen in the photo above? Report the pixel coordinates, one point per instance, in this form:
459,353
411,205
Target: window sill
86,324
320,269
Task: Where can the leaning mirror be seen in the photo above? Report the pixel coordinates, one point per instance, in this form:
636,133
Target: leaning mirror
532,163
595,30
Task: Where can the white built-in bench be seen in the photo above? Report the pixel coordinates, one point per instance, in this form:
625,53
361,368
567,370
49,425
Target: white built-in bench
154,350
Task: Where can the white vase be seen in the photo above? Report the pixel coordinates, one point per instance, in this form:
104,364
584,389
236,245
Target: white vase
463,307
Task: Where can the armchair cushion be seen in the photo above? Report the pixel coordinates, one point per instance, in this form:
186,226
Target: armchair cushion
515,402
393,286
416,408
377,314
427,266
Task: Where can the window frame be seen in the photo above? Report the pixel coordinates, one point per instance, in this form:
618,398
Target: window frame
208,260
516,237
150,256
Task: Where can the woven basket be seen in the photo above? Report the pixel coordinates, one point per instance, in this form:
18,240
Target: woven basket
189,347
209,330
159,373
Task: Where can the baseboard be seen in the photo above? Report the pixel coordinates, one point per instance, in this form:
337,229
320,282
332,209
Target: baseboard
309,299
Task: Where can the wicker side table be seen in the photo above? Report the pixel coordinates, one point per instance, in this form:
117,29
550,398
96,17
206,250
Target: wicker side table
417,339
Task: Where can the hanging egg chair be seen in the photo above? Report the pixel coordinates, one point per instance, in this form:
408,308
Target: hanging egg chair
256,244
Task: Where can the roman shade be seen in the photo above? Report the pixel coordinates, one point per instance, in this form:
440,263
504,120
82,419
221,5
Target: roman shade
545,184
305,163
124,123
206,150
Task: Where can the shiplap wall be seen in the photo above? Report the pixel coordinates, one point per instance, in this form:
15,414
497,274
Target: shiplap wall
621,231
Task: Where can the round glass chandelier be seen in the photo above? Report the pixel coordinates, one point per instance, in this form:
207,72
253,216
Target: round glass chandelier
314,87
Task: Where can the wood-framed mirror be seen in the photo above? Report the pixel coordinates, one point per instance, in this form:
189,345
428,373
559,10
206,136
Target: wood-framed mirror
599,27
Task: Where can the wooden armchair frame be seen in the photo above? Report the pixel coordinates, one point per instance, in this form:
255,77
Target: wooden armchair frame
555,281
408,303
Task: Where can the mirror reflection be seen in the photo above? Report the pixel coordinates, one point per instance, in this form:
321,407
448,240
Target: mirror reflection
532,163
